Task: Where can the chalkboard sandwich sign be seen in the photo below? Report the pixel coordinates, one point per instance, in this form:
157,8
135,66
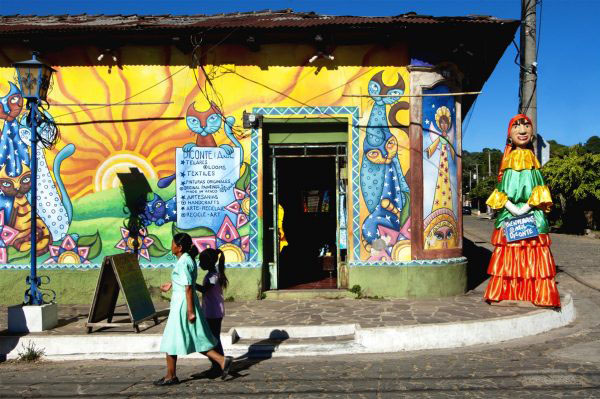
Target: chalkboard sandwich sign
520,228
121,273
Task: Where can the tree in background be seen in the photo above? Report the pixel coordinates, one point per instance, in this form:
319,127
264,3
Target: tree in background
557,150
593,145
480,193
574,181
482,159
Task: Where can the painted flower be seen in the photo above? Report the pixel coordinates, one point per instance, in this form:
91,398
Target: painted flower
7,236
203,243
228,240
68,251
144,242
240,207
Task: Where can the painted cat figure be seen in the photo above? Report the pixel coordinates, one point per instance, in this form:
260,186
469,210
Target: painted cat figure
54,214
206,124
55,209
159,212
17,188
382,182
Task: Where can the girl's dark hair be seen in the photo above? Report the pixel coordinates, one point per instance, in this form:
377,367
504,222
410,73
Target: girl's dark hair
184,241
209,258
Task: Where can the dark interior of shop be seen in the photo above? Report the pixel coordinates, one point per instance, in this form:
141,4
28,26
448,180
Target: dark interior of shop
306,193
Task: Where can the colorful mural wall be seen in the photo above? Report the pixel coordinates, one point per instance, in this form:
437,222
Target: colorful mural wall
385,216
184,133
440,190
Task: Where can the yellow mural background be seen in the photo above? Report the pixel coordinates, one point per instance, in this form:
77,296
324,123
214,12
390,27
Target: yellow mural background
106,143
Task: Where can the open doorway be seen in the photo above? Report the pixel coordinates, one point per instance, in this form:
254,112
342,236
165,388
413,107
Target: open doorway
307,223
304,196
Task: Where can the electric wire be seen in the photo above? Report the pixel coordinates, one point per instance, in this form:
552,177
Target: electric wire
467,122
213,95
148,88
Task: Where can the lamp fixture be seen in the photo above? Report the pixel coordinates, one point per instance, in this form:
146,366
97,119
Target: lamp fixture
108,51
321,54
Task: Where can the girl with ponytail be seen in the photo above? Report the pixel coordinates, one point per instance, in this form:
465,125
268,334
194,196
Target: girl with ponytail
213,303
187,330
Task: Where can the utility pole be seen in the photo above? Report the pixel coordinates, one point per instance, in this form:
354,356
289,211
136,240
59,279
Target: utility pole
477,181
528,68
470,180
489,163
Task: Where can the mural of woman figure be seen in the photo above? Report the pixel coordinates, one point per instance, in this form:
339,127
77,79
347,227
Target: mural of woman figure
521,270
440,229
442,141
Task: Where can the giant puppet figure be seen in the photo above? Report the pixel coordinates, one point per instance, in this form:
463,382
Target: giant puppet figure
522,269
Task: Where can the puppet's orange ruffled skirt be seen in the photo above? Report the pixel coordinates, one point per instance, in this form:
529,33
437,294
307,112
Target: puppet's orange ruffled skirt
522,270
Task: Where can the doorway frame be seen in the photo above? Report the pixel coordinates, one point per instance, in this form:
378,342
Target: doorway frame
272,149
351,115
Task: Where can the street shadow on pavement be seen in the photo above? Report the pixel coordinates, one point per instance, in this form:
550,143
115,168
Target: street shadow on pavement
478,260
257,352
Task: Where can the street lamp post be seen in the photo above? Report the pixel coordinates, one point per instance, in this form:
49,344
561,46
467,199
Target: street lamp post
34,81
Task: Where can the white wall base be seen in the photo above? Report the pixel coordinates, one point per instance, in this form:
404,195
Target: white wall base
32,318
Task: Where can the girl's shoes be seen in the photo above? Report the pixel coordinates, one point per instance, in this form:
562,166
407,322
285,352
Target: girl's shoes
226,367
162,382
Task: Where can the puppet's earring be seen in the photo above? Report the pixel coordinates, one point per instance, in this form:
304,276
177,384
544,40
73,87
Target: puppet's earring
509,141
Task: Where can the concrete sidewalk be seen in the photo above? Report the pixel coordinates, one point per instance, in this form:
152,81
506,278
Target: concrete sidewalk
307,327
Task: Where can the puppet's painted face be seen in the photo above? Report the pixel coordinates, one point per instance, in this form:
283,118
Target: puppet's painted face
521,133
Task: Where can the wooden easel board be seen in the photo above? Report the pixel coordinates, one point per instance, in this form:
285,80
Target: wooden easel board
121,273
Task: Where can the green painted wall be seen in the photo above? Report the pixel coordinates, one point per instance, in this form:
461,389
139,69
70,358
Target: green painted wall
78,286
410,281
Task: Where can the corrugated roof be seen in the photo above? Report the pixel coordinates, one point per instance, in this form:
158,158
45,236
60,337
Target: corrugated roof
11,24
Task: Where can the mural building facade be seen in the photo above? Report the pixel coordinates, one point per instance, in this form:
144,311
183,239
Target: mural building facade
214,176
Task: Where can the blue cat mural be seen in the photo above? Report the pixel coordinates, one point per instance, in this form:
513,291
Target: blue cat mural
55,210
383,185
159,212
206,124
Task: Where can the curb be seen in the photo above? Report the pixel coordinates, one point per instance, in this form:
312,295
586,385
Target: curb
273,344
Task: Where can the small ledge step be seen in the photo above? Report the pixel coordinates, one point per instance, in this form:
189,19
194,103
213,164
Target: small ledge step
294,341
309,294
291,347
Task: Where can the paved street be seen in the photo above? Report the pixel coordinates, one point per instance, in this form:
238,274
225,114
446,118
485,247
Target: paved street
562,363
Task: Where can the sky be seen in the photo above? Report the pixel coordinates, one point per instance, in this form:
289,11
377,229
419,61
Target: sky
568,53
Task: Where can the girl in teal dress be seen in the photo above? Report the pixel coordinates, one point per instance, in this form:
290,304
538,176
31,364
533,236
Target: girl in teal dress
187,330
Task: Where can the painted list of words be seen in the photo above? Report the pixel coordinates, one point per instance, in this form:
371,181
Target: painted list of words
206,177
520,228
